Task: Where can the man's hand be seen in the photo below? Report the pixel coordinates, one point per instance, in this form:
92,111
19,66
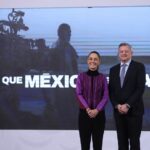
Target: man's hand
123,109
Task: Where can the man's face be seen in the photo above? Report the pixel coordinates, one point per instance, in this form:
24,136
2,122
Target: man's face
65,35
125,53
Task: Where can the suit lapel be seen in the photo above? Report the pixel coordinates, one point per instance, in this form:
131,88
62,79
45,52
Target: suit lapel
128,73
118,74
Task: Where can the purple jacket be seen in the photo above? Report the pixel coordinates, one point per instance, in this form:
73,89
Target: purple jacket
92,91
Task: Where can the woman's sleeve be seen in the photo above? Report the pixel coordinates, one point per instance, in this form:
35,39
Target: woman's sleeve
79,92
105,96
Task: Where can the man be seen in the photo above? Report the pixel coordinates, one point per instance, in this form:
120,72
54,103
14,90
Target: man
64,52
64,62
126,87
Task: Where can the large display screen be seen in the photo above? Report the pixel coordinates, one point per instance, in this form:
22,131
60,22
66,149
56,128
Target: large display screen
43,50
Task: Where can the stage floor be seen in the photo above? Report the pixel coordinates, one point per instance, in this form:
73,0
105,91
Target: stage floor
57,140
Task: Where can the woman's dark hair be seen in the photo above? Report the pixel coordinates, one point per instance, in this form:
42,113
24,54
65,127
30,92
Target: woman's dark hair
95,52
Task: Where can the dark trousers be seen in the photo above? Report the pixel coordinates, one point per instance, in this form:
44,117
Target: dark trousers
128,131
91,127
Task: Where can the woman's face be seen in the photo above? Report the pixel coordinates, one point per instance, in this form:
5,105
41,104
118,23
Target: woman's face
93,62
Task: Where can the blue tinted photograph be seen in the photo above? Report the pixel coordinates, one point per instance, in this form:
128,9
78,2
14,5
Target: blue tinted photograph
42,51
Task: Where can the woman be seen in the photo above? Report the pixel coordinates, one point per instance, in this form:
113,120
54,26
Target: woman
92,94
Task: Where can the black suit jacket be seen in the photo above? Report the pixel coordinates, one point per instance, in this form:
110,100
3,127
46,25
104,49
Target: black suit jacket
133,87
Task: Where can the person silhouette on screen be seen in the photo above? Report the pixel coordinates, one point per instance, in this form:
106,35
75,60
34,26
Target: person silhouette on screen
64,51
63,62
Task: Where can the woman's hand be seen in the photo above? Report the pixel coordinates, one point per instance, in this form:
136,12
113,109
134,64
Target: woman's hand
92,113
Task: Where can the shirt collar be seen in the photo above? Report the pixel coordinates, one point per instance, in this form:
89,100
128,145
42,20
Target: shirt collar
127,63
